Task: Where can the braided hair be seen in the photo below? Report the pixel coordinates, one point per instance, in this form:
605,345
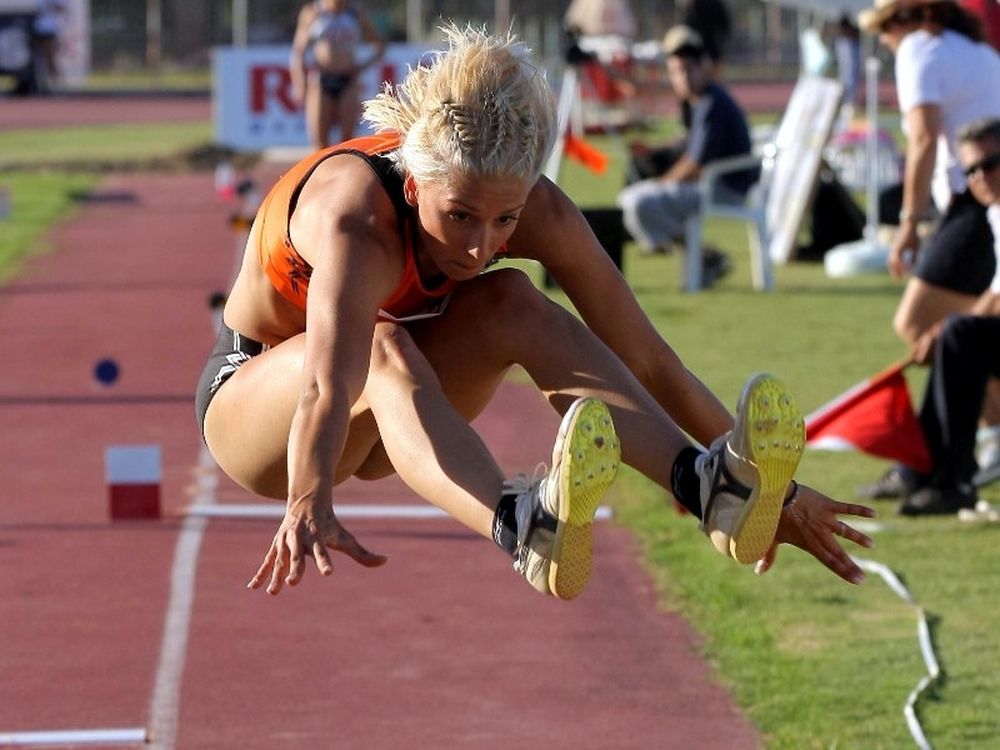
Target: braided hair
480,108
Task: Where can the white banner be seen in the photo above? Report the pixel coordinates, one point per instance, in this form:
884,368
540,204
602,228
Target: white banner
251,93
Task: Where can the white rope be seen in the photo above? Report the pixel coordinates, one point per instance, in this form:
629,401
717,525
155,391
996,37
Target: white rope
926,648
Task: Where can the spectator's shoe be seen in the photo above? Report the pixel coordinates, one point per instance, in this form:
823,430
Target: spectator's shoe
555,511
988,448
714,265
745,475
933,501
898,481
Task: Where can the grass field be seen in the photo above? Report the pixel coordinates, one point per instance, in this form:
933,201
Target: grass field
814,662
102,147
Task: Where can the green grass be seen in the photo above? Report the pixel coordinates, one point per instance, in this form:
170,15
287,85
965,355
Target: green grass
37,200
101,146
144,79
814,662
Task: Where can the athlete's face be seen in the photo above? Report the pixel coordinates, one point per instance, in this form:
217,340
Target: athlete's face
463,223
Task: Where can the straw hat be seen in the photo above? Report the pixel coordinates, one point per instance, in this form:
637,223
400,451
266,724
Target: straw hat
871,18
679,37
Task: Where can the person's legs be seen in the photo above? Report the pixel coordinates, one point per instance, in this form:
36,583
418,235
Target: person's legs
349,109
966,355
405,421
737,488
954,266
923,305
427,382
319,111
655,212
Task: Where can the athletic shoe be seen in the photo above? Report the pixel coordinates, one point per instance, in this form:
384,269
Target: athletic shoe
933,501
745,474
898,481
555,511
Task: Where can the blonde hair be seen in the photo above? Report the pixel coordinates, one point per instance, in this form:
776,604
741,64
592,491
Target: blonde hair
481,108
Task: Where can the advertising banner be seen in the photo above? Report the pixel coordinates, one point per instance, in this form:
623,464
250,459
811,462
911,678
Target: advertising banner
252,100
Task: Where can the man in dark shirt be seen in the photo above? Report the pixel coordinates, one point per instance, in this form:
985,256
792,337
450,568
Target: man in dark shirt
655,210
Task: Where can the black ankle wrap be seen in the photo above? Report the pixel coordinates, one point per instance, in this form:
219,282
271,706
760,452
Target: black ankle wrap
684,480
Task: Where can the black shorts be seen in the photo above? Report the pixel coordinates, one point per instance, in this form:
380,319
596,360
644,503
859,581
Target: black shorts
231,351
334,84
959,255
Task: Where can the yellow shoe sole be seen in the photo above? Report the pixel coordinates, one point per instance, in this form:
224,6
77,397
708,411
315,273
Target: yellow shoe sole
584,463
773,435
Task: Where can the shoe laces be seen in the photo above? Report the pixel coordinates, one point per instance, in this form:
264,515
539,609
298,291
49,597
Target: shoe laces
528,506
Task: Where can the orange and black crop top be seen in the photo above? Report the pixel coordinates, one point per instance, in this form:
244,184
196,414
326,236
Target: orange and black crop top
286,269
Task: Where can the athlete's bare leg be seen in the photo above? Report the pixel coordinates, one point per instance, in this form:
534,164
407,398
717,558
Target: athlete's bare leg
426,384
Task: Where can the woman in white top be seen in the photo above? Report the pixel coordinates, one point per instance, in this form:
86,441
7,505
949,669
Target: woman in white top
946,76
324,69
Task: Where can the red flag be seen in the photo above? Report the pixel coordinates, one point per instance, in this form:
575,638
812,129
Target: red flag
592,158
875,416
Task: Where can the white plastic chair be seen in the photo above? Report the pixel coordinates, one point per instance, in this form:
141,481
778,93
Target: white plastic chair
776,205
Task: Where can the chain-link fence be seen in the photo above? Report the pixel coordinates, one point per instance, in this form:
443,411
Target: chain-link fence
126,34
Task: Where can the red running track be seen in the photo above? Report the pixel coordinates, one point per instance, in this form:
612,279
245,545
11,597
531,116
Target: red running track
443,647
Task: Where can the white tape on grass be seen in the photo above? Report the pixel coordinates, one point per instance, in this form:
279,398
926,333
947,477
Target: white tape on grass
926,648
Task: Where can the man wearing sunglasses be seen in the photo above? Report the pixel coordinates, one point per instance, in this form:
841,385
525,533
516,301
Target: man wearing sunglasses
964,353
946,76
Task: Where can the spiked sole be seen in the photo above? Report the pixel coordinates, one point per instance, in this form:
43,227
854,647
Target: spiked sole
774,437
585,460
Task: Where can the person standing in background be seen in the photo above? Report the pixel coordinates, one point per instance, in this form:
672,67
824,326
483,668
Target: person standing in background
324,69
847,48
47,29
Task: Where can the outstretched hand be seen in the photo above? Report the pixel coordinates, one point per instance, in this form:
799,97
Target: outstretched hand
811,524
308,531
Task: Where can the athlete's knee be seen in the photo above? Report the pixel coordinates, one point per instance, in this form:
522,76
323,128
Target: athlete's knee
507,293
394,352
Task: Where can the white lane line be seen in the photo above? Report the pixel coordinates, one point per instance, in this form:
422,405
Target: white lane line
165,704
74,737
350,510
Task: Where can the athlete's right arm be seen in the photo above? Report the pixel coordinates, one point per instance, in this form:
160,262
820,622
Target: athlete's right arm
344,225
